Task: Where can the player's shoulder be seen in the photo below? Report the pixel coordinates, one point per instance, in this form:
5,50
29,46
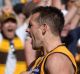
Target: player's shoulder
58,62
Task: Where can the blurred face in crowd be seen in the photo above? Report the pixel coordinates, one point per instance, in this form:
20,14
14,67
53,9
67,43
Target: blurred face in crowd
8,29
35,31
70,3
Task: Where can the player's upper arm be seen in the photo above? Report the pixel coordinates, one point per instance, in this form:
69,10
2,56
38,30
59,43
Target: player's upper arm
59,64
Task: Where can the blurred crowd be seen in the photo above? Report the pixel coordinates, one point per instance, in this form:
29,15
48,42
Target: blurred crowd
14,20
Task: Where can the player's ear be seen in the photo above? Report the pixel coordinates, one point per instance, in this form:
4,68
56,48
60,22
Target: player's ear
44,28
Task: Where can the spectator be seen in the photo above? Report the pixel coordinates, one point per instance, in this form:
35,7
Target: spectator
22,25
23,12
71,38
18,9
12,59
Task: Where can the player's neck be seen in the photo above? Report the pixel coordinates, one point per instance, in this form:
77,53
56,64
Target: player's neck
51,43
